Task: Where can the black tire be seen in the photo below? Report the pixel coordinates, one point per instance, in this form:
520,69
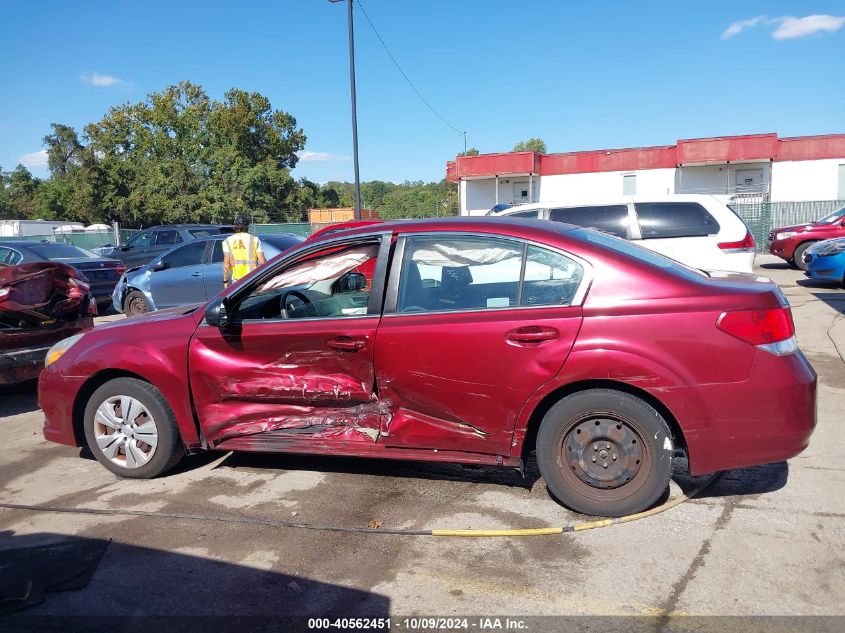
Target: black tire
169,447
798,255
576,465
135,304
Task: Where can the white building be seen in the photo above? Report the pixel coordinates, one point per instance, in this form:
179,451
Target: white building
802,168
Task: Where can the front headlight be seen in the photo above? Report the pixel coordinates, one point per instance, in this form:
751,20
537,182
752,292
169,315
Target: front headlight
785,234
56,352
832,248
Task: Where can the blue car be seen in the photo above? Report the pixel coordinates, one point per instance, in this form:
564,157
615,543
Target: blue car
189,273
825,260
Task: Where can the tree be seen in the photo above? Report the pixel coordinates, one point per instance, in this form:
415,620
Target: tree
471,152
531,145
63,149
22,191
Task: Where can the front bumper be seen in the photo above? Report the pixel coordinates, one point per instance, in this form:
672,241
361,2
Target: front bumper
22,364
827,268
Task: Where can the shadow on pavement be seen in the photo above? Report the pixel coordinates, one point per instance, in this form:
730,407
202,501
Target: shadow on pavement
18,398
754,480
394,468
835,300
137,581
777,266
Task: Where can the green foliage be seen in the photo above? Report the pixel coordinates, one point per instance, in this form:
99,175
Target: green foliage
470,152
531,145
180,156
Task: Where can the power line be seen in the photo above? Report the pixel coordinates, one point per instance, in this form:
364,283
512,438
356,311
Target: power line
410,83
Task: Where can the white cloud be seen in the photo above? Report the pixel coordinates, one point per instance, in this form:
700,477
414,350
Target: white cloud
790,27
736,27
321,157
34,159
100,80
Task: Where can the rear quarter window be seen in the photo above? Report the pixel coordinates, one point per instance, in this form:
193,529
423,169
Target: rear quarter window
675,219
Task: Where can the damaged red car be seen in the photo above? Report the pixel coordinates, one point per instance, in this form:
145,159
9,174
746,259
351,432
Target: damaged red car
476,341
41,303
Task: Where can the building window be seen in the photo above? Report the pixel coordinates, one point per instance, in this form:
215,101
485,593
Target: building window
629,184
841,190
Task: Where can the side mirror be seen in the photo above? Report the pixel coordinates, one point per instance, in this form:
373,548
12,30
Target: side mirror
159,265
217,313
125,247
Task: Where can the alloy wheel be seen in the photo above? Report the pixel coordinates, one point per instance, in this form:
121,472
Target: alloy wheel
125,431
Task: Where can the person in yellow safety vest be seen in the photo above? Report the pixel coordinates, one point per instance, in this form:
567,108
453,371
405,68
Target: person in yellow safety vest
242,252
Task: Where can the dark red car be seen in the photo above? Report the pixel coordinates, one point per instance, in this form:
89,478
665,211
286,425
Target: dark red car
478,341
41,303
790,242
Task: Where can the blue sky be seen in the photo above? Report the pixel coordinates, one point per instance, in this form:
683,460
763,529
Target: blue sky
581,75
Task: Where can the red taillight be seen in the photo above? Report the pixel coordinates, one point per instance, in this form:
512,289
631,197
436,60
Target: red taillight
745,245
120,270
758,327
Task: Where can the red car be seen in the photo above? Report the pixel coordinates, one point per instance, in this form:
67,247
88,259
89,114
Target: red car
790,242
479,341
41,303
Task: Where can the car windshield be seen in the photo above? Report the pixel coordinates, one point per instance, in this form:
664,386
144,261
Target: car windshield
61,251
637,252
833,217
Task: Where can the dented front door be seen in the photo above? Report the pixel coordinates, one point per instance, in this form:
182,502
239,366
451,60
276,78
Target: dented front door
296,361
310,376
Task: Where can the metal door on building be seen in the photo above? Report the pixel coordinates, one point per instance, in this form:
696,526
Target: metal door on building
749,180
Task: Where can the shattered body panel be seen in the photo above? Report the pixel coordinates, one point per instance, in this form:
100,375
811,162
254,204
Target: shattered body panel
41,303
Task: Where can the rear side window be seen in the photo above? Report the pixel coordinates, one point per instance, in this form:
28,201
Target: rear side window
188,255
167,238
474,273
675,219
9,256
611,218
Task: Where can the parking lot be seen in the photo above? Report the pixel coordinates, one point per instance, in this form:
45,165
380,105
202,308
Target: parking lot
766,540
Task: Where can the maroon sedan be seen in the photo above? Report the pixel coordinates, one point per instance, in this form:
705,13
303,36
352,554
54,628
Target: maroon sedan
791,242
477,341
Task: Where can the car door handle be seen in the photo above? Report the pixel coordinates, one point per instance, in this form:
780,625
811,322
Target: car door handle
346,343
196,274
532,334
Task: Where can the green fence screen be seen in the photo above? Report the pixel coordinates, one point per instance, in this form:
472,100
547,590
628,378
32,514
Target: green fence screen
762,217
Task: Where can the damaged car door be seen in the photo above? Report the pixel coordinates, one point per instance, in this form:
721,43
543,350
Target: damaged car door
473,324
294,363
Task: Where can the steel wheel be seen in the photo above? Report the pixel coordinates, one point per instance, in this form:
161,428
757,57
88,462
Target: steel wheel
604,452
601,453
136,304
125,431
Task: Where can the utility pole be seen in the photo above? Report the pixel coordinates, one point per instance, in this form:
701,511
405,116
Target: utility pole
354,109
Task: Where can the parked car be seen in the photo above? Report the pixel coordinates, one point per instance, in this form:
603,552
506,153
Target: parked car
100,273
145,246
479,341
189,273
825,261
697,230
791,242
41,303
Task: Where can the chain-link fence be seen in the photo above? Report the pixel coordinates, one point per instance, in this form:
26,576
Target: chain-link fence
761,217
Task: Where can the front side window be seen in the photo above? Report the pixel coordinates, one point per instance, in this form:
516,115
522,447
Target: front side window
189,255
141,240
331,283
475,273
610,218
675,219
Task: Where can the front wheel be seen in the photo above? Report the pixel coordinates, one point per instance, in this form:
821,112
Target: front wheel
131,429
798,255
605,452
135,304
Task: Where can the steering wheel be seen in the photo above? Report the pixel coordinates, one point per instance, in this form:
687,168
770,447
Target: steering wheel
295,301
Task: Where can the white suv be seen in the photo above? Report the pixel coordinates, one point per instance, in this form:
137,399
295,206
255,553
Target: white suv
697,230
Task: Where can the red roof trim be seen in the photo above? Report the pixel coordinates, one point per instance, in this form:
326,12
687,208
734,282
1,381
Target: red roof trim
712,150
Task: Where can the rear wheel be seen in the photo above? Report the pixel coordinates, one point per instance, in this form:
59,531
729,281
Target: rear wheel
605,452
131,429
135,304
798,255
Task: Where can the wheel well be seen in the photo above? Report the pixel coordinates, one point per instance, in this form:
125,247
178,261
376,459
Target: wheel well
88,388
567,390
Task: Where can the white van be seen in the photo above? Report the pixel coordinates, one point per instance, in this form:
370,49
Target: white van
697,230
